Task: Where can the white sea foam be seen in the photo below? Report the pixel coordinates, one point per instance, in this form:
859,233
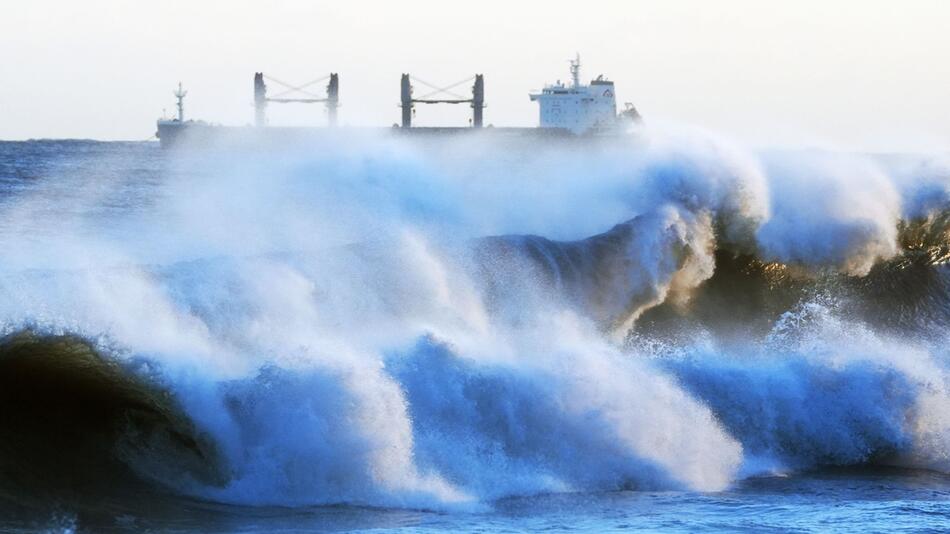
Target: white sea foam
321,315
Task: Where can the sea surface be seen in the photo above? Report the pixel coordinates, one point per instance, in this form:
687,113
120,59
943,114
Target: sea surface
666,333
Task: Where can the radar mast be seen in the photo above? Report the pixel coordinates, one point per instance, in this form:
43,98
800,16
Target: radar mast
180,95
576,70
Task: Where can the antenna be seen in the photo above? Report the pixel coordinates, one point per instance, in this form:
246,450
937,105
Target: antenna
180,95
576,70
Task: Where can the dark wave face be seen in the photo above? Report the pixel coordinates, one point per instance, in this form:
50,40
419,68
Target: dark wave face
448,327
612,277
75,423
908,296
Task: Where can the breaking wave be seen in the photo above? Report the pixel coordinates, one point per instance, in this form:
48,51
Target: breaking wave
445,324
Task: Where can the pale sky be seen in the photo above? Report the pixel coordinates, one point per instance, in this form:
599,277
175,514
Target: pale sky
853,75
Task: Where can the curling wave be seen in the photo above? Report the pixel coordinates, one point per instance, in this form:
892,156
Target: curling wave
75,421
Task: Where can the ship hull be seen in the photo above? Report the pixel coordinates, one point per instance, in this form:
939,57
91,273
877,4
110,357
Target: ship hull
174,134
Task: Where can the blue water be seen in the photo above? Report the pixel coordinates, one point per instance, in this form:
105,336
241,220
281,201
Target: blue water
669,334
866,500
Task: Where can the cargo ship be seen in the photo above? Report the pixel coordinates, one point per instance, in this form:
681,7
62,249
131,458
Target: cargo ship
566,110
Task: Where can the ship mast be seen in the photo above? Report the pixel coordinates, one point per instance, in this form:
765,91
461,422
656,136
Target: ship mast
180,95
576,70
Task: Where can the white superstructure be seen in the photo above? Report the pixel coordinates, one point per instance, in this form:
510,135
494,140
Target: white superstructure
578,108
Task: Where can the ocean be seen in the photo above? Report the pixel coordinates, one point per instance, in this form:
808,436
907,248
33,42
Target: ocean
669,332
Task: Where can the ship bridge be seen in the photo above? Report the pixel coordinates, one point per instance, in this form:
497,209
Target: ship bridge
576,107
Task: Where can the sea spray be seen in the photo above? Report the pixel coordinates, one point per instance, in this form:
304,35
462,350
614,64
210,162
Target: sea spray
390,323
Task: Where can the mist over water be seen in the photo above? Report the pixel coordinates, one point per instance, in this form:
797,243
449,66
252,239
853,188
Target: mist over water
441,324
